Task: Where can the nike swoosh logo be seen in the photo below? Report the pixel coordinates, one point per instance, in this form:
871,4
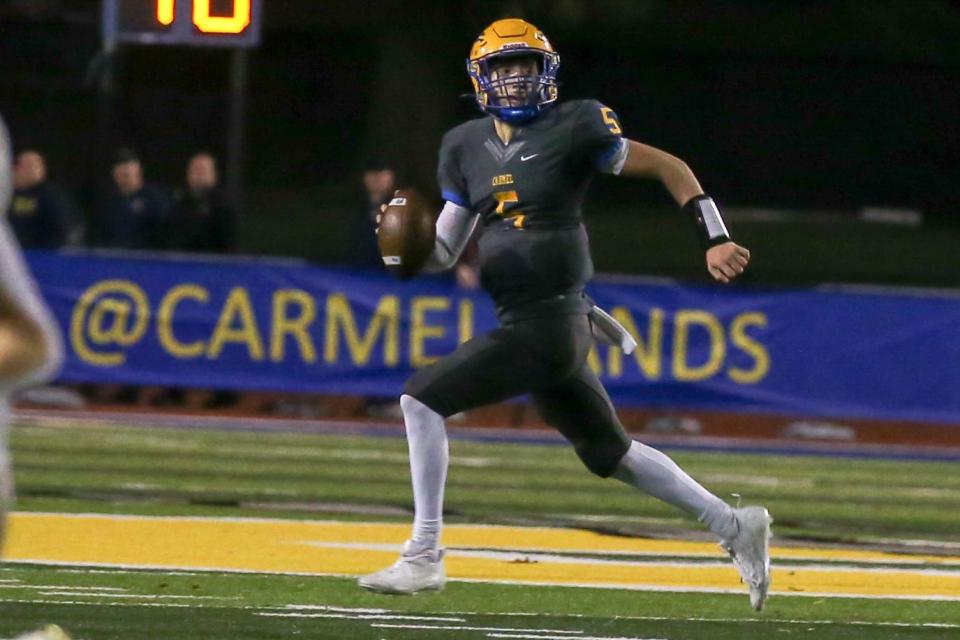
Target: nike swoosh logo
530,157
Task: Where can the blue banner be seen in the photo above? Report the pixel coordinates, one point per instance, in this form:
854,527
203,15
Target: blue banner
252,324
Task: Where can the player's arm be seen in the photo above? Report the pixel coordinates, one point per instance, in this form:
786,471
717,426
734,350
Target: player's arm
454,228
457,220
725,258
30,346
23,346
644,161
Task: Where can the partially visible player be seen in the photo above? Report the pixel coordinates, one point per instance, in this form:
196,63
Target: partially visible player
522,173
30,344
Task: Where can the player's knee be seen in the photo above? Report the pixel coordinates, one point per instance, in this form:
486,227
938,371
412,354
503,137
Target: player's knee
419,385
413,387
422,387
420,421
601,457
416,411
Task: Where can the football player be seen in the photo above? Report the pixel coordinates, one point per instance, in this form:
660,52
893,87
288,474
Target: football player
30,346
522,173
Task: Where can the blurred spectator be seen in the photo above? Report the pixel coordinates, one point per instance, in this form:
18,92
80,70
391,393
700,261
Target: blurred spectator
136,213
39,213
379,181
201,216
202,221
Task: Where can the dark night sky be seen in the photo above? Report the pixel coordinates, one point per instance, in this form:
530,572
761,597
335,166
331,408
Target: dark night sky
829,104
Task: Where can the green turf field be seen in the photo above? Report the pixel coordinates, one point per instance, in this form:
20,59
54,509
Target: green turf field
909,509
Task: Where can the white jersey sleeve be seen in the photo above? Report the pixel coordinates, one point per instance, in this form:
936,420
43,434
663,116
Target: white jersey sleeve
16,283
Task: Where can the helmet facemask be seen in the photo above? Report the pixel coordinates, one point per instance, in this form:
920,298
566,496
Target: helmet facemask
509,94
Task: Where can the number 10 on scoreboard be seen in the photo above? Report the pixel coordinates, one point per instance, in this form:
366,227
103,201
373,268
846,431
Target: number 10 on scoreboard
204,20
230,23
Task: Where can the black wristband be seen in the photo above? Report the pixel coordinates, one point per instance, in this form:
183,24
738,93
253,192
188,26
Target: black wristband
703,211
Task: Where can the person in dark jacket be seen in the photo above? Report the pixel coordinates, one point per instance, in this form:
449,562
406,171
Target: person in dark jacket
202,216
39,213
136,214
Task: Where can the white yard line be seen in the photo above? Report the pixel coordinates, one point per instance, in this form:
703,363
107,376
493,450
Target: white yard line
764,619
532,637
288,453
90,589
62,587
357,616
531,583
858,623
323,607
124,571
933,544
134,596
569,634
755,481
133,568
577,616
595,559
98,604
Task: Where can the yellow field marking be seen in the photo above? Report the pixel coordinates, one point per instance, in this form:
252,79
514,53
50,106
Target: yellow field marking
283,546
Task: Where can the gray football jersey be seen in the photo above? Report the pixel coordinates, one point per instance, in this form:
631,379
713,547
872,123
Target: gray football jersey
529,193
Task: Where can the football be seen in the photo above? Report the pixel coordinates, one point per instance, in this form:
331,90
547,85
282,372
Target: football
406,233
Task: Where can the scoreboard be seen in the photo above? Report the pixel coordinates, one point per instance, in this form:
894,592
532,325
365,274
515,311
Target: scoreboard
218,23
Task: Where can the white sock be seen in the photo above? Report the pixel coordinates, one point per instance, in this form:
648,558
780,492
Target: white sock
429,456
652,472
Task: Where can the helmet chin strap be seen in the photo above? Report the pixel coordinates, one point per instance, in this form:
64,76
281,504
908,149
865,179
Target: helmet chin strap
518,115
521,114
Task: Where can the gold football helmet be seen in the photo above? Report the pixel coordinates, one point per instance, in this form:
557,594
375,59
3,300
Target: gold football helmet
507,38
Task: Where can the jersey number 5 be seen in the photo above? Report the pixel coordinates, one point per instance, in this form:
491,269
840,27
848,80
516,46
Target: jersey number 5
506,199
611,120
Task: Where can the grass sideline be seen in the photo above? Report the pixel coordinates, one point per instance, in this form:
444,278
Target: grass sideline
192,472
217,605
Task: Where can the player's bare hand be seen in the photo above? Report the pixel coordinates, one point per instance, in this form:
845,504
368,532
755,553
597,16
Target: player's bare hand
727,261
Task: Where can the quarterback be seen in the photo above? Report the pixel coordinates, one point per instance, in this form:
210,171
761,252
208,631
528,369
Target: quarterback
521,172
